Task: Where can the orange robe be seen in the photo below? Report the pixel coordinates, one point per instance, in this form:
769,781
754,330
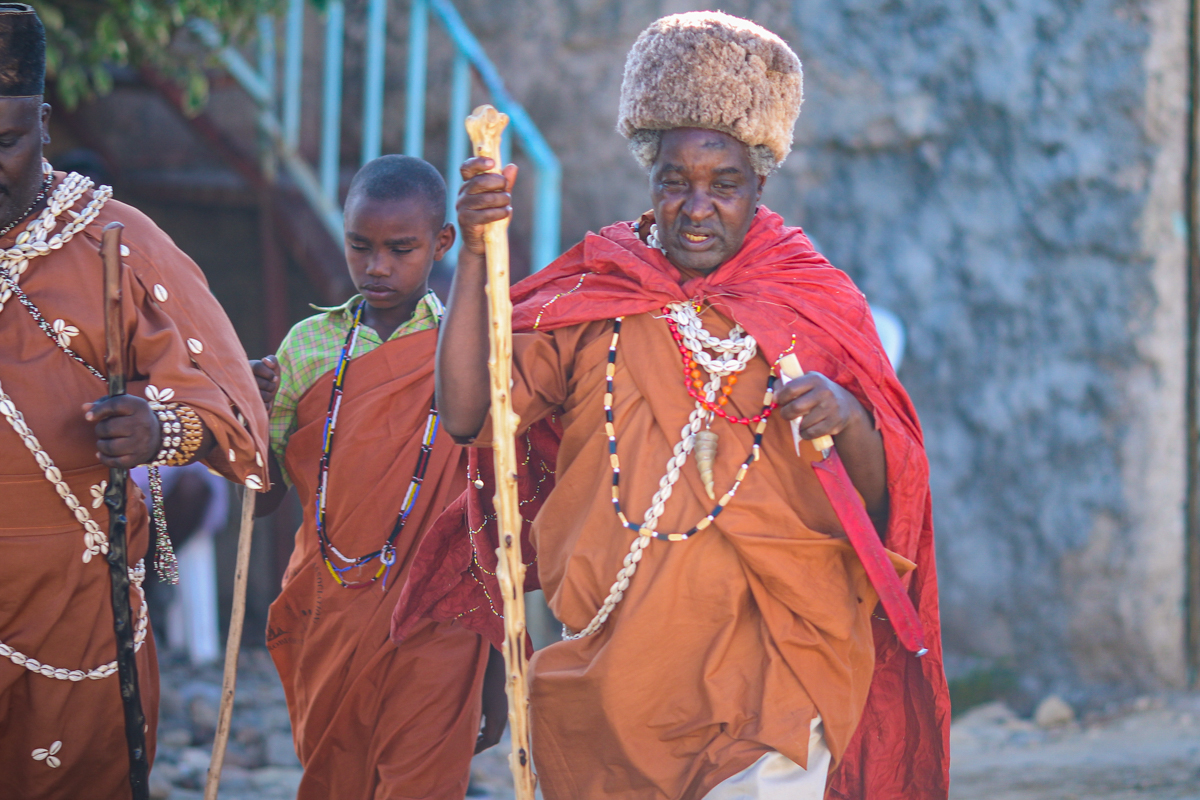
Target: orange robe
372,719
54,607
724,646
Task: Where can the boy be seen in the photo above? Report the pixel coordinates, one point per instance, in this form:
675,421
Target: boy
354,429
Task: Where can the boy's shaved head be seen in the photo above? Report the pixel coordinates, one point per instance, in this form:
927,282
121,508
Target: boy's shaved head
396,177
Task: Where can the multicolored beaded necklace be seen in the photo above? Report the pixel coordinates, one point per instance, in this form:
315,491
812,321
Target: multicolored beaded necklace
759,420
706,408
387,553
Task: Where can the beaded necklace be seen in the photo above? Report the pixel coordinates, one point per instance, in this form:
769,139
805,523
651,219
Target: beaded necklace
46,184
754,454
744,350
387,553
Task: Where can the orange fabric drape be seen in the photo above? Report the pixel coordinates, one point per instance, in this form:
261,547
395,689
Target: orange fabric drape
372,720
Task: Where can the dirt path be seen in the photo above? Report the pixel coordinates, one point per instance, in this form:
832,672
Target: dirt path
1148,750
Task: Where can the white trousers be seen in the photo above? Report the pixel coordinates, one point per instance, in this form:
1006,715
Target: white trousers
776,777
192,614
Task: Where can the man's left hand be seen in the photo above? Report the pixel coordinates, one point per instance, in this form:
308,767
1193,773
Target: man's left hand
128,432
826,408
830,410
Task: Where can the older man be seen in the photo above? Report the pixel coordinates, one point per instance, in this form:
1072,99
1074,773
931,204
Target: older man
61,733
715,613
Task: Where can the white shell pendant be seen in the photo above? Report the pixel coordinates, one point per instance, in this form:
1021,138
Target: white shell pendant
705,450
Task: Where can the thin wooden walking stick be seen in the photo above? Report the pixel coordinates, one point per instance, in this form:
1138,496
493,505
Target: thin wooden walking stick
233,645
485,126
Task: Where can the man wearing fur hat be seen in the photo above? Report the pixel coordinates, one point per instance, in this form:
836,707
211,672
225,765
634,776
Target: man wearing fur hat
62,732
715,614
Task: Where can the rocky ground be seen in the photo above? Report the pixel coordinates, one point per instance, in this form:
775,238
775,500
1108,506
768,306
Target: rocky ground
260,763
1146,749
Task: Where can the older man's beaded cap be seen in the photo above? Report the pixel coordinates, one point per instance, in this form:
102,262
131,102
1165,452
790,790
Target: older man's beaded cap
705,69
22,51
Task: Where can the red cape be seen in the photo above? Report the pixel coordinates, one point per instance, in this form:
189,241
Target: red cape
786,295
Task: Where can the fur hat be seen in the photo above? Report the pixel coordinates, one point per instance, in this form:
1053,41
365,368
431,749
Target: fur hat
22,51
705,69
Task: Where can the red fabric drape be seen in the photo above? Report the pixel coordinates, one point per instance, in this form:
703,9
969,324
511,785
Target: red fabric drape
785,294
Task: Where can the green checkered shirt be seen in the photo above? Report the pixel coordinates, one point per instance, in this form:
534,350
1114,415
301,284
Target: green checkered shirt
311,349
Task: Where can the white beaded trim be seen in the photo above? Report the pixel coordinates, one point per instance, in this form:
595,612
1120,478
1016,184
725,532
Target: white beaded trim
136,575
95,541
740,345
36,240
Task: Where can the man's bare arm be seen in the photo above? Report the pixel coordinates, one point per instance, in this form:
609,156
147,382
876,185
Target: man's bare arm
463,394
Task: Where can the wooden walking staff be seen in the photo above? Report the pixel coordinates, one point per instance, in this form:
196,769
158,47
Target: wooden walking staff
233,645
114,498
485,126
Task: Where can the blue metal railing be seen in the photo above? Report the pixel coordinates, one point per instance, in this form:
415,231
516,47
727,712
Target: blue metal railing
280,105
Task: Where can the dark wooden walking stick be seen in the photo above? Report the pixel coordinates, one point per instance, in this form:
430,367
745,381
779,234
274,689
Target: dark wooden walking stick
114,498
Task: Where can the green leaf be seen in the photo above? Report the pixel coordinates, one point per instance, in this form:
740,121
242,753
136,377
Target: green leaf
84,40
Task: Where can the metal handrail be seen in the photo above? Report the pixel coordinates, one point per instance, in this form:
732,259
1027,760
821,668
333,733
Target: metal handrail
280,117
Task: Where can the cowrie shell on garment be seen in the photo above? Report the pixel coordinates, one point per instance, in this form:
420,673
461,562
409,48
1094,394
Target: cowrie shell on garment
160,293
154,394
125,250
258,459
196,346
232,455
254,482
48,755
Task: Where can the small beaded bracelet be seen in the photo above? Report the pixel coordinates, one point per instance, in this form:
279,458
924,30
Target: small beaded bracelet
182,433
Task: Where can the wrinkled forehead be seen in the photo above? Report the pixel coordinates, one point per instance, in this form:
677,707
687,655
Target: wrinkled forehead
702,147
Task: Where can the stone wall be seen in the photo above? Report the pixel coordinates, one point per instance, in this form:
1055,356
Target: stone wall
1007,176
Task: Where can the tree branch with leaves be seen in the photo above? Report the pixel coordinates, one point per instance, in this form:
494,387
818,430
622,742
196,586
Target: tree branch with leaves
85,39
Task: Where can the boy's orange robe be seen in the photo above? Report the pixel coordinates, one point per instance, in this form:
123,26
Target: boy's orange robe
727,644
54,607
373,720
